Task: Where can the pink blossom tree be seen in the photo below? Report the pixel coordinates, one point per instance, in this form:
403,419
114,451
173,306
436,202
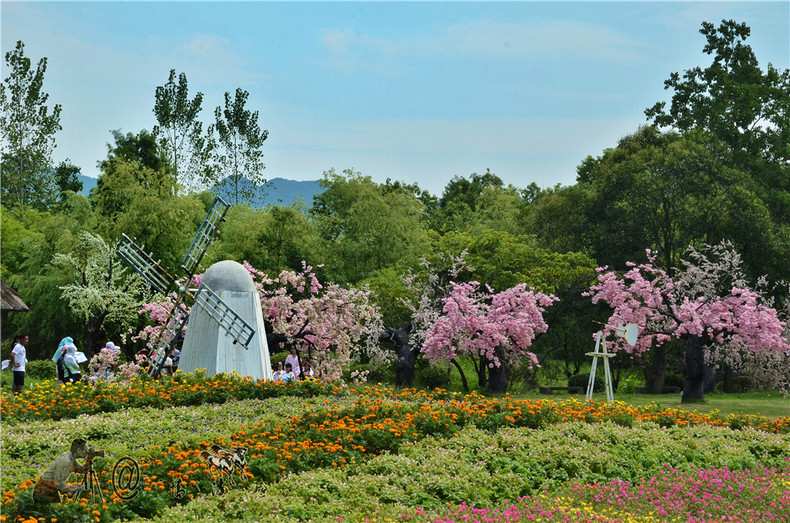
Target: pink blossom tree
498,327
708,304
327,324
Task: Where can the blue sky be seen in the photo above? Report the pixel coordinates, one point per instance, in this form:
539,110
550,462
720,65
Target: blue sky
411,91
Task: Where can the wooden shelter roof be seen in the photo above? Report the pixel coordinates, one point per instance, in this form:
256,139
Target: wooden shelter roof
10,300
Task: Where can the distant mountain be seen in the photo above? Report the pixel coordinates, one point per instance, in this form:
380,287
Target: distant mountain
88,183
277,191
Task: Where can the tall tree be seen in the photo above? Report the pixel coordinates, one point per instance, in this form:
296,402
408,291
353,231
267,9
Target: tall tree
180,133
238,149
366,226
733,98
67,177
140,147
28,125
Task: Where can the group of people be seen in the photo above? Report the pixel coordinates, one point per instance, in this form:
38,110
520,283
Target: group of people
292,369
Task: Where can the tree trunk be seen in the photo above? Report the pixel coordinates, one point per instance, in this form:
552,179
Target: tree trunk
498,376
694,386
656,370
481,372
464,381
407,357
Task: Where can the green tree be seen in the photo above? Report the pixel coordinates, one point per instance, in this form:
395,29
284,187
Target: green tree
67,178
743,106
733,98
271,239
28,125
238,146
459,201
180,133
665,191
140,147
558,218
365,228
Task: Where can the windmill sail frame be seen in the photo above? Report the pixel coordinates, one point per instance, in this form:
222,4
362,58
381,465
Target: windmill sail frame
158,279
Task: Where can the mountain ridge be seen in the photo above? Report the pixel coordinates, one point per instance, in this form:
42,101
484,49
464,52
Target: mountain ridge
276,191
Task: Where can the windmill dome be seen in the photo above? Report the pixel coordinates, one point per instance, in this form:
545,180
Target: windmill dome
228,275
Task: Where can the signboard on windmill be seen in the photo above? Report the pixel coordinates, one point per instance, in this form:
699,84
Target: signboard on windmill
235,326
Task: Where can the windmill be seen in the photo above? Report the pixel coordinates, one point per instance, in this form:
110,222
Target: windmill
630,333
158,279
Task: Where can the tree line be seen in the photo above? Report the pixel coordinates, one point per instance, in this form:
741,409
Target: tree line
710,164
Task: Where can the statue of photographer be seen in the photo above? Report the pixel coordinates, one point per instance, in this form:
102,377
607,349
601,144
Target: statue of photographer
52,484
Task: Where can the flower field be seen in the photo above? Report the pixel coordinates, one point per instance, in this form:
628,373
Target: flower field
326,452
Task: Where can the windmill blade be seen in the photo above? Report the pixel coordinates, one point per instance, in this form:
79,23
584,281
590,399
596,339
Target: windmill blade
154,275
167,337
204,235
236,327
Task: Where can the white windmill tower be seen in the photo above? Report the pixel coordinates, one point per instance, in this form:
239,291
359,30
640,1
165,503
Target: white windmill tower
238,330
629,333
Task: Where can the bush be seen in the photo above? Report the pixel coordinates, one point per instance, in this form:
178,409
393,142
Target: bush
630,383
433,376
40,369
482,468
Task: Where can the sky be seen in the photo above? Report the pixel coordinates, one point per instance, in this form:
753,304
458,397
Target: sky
418,92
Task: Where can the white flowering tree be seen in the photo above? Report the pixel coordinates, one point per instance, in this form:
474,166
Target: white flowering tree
101,293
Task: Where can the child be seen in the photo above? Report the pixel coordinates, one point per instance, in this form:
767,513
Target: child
278,372
288,375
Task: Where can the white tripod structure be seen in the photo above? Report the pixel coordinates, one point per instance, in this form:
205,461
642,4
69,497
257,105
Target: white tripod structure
630,332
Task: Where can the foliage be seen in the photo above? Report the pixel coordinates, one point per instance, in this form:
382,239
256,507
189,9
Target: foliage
180,132
101,292
271,239
67,178
733,98
27,127
237,147
367,227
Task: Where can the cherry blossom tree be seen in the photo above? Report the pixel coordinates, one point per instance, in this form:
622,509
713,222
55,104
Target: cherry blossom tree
708,304
327,324
498,327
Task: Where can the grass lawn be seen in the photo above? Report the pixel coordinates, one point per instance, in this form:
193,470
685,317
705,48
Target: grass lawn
763,403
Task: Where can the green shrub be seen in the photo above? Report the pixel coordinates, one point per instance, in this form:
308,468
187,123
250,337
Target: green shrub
40,369
484,468
433,376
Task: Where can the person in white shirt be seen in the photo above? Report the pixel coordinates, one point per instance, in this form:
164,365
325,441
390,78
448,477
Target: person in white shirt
19,357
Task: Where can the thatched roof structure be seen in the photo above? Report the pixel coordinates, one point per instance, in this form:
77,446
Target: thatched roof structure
10,300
